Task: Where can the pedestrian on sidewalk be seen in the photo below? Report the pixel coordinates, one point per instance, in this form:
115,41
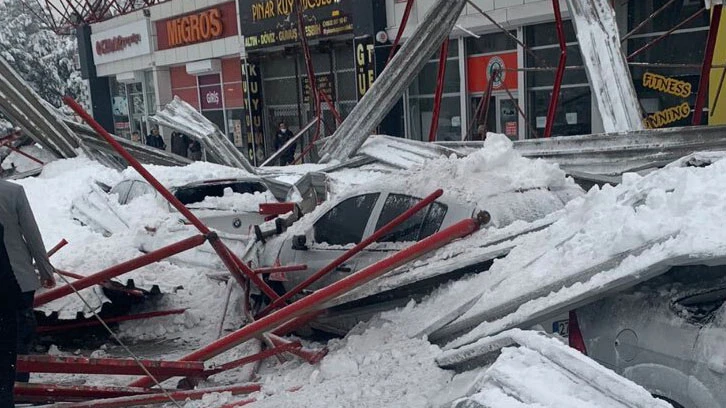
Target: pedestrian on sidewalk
283,136
155,139
179,144
20,245
195,150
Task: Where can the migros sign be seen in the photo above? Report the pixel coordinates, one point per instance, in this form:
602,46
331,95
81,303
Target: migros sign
206,25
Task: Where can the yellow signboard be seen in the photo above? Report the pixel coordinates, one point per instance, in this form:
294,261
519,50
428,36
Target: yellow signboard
718,115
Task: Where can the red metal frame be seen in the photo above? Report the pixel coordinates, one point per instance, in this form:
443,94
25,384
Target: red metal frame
22,153
95,322
707,62
311,356
283,348
120,269
106,366
281,269
236,267
316,301
25,392
401,29
276,208
57,248
354,251
552,109
444,53
158,398
331,106
487,100
666,34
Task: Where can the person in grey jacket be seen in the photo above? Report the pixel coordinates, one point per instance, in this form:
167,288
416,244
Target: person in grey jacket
20,245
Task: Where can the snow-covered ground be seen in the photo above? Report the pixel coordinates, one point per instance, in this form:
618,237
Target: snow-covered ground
381,363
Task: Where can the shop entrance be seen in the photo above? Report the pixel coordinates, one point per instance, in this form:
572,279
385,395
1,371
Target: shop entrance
500,117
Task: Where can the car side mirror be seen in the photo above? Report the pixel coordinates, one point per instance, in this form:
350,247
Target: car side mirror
299,243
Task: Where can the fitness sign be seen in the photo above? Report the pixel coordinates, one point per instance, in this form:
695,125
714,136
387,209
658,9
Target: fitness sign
268,23
670,86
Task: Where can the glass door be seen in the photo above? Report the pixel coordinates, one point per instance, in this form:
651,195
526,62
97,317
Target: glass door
507,116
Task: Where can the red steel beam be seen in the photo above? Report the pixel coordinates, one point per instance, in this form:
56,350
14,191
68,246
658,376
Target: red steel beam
120,269
316,301
281,269
439,90
106,366
311,356
666,34
227,257
276,208
94,322
331,106
401,29
354,251
283,348
487,100
554,99
25,392
158,398
22,153
707,62
57,248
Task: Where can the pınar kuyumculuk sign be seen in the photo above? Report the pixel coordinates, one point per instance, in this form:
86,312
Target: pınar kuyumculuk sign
269,23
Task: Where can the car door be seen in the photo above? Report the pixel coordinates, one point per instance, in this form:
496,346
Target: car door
338,230
708,385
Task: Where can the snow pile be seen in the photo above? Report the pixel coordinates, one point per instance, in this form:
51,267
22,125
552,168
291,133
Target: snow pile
377,365
677,212
236,202
22,163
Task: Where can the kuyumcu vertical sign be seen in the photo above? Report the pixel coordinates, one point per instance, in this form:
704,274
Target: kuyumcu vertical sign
198,26
123,42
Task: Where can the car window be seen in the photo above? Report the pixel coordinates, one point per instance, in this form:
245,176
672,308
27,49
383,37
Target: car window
702,306
346,222
138,189
122,189
419,226
197,193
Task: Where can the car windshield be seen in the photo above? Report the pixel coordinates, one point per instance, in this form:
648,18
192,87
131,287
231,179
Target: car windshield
198,193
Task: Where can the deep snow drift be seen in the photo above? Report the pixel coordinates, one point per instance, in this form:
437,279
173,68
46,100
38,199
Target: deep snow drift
379,364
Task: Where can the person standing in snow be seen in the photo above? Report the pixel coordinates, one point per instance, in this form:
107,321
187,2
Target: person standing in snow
179,144
195,150
283,136
155,139
20,245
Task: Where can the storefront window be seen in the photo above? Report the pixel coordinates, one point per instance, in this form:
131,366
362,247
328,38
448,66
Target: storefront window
421,96
150,94
120,107
683,47
574,106
489,43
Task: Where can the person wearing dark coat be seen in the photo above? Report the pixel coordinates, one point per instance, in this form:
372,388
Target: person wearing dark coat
155,140
179,144
195,150
283,136
20,245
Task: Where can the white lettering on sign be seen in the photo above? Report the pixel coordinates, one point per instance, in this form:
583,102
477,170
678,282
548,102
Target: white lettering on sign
213,98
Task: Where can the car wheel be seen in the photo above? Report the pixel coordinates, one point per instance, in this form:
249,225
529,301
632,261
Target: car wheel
668,400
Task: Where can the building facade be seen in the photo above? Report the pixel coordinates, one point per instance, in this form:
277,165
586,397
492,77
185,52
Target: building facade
477,46
240,63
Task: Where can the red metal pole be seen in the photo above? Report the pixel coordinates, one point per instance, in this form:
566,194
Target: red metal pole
488,99
707,62
120,269
53,392
401,29
311,356
331,105
22,153
94,322
57,248
439,90
222,251
283,348
354,251
107,366
281,269
666,34
317,300
554,99
158,398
